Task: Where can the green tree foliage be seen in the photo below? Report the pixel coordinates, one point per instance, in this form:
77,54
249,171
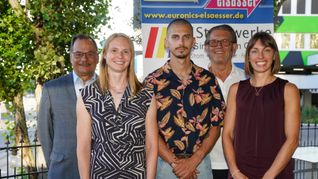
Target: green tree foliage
309,114
16,53
55,22
35,38
34,45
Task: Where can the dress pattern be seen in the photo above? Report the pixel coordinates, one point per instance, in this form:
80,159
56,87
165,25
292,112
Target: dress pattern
118,136
186,109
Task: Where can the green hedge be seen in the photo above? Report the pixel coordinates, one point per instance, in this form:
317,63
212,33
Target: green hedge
309,114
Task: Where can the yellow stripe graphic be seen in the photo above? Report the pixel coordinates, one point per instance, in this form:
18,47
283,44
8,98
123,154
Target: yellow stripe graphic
161,48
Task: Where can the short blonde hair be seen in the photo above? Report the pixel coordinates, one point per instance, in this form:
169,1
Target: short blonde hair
135,85
268,41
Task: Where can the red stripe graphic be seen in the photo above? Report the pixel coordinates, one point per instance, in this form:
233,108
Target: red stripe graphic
151,42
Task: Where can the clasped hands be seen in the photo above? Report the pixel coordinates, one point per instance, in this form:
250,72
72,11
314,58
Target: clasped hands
184,168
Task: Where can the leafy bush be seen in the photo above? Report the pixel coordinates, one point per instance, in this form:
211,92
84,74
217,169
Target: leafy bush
309,114
9,131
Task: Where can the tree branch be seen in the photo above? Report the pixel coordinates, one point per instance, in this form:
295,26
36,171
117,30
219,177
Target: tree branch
16,6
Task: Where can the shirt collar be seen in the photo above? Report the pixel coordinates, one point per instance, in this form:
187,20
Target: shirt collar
234,69
78,80
167,68
79,84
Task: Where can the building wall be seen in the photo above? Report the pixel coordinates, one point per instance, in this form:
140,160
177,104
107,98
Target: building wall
298,30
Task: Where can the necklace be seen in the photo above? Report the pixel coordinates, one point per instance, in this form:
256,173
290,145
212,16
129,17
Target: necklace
257,91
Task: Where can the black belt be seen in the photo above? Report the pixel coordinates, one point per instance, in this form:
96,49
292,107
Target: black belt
180,156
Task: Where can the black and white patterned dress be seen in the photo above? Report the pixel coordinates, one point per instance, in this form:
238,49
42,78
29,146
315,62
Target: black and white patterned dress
118,136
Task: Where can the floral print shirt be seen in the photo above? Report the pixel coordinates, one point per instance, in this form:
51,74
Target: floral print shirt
186,110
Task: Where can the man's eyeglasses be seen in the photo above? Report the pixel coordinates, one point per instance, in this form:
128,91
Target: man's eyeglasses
215,43
89,54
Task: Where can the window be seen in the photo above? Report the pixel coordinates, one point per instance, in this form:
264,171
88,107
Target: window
301,6
300,41
285,41
314,7
287,7
296,41
314,41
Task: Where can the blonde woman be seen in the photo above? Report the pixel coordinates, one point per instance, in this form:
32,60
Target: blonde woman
117,132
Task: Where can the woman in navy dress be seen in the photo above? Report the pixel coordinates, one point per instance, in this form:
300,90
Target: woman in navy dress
262,121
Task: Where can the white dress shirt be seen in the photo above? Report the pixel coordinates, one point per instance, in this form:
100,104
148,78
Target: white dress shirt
218,161
79,83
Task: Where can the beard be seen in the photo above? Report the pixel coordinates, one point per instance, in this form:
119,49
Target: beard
181,55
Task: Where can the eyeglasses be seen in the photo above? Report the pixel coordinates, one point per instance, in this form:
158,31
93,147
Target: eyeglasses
89,54
214,43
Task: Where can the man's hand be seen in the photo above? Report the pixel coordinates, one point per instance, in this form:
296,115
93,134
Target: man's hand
185,169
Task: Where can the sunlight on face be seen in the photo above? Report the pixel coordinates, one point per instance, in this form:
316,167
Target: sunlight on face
118,55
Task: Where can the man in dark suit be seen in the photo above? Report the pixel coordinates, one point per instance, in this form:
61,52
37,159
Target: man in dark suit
57,112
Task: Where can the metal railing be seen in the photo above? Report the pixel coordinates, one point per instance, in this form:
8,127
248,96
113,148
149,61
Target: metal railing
20,170
308,138
308,135
303,170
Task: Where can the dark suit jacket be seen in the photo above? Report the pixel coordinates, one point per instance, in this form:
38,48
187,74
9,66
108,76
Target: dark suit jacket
57,127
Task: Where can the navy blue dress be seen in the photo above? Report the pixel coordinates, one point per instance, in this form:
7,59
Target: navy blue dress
118,136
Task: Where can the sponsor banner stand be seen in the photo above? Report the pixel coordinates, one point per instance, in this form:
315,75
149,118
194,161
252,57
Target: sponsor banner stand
245,16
